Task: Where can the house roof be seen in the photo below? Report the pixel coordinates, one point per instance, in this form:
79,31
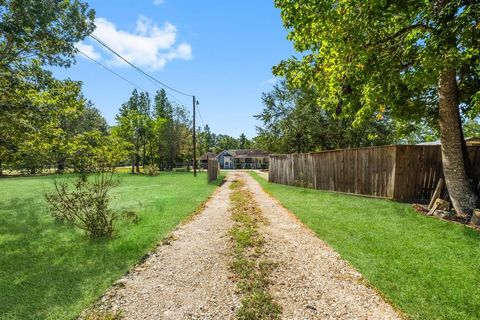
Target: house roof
248,153
208,155
470,141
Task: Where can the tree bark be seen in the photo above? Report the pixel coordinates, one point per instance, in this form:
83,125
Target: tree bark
61,165
137,163
463,198
161,162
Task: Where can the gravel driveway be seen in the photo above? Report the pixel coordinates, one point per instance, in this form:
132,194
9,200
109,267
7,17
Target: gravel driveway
190,277
311,280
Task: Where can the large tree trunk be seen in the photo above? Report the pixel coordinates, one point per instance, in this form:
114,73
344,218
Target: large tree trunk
160,159
137,163
463,198
61,165
133,165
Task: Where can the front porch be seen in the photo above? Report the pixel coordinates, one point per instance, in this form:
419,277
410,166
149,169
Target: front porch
251,163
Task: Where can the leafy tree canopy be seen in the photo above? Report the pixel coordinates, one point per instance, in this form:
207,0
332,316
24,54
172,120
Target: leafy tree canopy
366,57
42,31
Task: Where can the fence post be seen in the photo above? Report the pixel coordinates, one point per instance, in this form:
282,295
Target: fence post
213,168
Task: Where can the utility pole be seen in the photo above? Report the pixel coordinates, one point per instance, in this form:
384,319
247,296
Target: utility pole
194,141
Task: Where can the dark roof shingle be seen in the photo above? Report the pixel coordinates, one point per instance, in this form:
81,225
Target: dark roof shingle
208,155
249,153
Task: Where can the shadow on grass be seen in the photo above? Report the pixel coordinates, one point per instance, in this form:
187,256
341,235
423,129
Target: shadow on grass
50,270
219,182
43,266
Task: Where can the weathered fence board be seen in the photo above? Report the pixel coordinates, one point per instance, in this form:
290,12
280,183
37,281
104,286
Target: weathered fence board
213,169
400,172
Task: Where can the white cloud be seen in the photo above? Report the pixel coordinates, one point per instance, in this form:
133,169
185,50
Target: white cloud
148,46
158,2
271,81
88,49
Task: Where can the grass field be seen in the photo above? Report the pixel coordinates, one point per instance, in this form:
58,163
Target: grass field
428,268
51,271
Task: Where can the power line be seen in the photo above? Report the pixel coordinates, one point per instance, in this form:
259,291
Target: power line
175,98
152,79
134,84
110,70
137,68
125,79
201,118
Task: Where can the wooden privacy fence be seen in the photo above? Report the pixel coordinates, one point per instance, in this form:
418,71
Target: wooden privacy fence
213,169
398,172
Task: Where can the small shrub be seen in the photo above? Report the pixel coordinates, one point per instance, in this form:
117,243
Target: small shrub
130,216
151,170
302,182
85,203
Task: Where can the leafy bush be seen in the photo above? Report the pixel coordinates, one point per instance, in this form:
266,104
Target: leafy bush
151,170
87,205
93,152
130,216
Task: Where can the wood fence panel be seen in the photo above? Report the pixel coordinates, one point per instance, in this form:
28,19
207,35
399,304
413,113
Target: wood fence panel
367,171
402,172
418,170
213,170
474,157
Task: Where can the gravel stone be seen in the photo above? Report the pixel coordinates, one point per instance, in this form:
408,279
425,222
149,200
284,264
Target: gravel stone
189,278
311,280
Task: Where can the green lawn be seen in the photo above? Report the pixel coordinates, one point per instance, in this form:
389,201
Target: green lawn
428,268
50,271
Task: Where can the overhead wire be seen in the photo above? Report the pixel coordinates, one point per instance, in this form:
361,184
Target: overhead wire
152,79
110,70
200,114
125,79
101,42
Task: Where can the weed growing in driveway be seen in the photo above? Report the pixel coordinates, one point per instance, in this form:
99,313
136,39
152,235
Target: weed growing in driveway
251,270
104,316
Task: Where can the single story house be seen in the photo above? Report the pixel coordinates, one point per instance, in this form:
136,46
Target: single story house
203,160
237,159
243,159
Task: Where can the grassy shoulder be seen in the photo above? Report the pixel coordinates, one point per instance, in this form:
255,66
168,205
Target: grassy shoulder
49,271
426,267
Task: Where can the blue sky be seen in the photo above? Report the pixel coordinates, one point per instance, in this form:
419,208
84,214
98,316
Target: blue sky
221,51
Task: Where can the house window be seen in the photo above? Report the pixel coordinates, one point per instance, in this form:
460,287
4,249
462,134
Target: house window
227,162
